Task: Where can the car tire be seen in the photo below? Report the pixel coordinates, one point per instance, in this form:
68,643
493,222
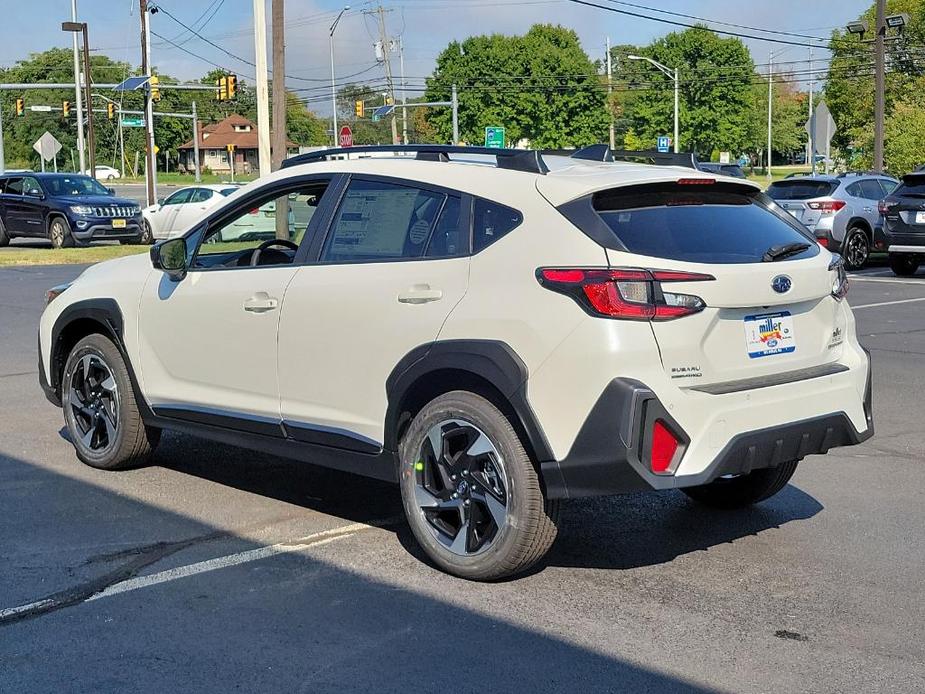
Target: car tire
59,233
481,515
147,235
110,177
903,264
4,237
100,410
856,248
743,490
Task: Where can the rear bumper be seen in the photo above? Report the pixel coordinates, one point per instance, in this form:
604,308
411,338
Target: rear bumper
902,248
610,453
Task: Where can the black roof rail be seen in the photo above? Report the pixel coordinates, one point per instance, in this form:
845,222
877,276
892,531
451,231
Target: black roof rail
603,153
527,160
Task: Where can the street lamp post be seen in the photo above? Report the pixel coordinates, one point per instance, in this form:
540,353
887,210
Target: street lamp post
91,145
333,86
673,74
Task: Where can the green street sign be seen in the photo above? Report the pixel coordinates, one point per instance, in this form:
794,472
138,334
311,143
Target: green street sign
494,137
133,122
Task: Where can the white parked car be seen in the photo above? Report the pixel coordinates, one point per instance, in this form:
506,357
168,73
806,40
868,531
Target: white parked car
493,330
177,212
104,173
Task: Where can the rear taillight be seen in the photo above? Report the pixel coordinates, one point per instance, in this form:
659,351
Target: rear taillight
664,447
840,282
630,294
826,206
822,241
885,206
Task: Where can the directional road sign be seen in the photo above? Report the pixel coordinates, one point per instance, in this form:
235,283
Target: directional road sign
494,137
133,122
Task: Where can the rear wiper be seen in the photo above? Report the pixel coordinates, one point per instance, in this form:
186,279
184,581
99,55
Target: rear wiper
783,251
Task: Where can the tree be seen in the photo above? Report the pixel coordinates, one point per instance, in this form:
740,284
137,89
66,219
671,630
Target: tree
541,87
716,76
849,89
788,118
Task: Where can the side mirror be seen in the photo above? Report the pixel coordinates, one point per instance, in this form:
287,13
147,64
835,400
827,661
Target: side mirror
111,191
160,201
170,257
35,193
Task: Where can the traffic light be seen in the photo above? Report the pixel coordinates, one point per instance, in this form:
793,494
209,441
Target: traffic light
65,108
111,110
231,83
389,100
222,92
20,106
359,108
155,84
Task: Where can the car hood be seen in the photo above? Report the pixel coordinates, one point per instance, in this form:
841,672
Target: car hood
95,200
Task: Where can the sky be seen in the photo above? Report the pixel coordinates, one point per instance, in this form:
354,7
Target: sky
425,28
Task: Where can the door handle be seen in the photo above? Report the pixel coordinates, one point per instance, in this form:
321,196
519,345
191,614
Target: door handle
420,294
261,302
868,209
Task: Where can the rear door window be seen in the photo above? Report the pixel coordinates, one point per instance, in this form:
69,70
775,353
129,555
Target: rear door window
725,224
871,190
449,239
800,189
382,221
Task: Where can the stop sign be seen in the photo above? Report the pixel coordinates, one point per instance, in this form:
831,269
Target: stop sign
346,136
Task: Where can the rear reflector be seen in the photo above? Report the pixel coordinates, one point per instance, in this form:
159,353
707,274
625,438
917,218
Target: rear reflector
664,447
822,241
630,294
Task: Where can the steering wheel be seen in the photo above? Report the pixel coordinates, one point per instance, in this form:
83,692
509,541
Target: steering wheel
255,257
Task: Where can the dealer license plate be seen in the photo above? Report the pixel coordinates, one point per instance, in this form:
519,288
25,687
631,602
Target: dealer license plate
769,333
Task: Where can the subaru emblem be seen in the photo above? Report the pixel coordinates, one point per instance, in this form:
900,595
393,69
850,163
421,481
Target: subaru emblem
781,284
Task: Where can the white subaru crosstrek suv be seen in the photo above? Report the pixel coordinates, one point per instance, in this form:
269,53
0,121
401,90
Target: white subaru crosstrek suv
494,330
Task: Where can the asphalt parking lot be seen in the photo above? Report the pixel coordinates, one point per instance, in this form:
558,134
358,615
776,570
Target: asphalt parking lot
217,570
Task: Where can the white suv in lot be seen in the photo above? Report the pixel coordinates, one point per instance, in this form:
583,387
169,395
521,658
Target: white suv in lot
494,330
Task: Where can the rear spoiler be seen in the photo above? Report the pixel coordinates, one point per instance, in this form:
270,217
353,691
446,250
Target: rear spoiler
603,153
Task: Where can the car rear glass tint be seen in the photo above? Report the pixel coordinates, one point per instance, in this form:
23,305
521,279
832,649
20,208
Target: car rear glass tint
911,185
801,189
695,225
491,221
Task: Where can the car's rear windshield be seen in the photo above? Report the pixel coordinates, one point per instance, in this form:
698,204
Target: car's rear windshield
698,224
801,189
913,186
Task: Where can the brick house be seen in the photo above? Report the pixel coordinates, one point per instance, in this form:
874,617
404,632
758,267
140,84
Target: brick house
213,147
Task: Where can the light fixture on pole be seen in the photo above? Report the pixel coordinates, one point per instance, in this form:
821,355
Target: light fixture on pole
333,86
81,27
673,74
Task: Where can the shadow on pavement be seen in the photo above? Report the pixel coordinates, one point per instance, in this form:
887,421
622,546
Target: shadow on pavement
622,532
288,623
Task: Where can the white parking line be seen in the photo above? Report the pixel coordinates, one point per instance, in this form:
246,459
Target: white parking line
314,540
318,539
886,280
888,303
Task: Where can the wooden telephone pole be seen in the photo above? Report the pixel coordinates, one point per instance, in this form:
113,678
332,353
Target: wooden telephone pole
279,111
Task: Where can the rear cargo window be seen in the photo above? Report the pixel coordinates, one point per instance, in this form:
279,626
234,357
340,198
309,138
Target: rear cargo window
721,225
911,185
800,189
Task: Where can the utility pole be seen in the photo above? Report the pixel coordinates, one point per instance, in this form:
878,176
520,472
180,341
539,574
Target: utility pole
263,90
404,94
91,140
454,104
613,135
279,112
879,84
334,134
195,143
770,105
386,49
78,100
150,161
810,145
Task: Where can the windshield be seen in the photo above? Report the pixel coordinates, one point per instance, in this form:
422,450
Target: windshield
801,189
74,185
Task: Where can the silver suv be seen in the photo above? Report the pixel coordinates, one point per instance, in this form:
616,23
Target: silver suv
840,210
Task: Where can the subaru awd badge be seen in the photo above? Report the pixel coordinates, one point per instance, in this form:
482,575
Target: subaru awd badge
781,284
